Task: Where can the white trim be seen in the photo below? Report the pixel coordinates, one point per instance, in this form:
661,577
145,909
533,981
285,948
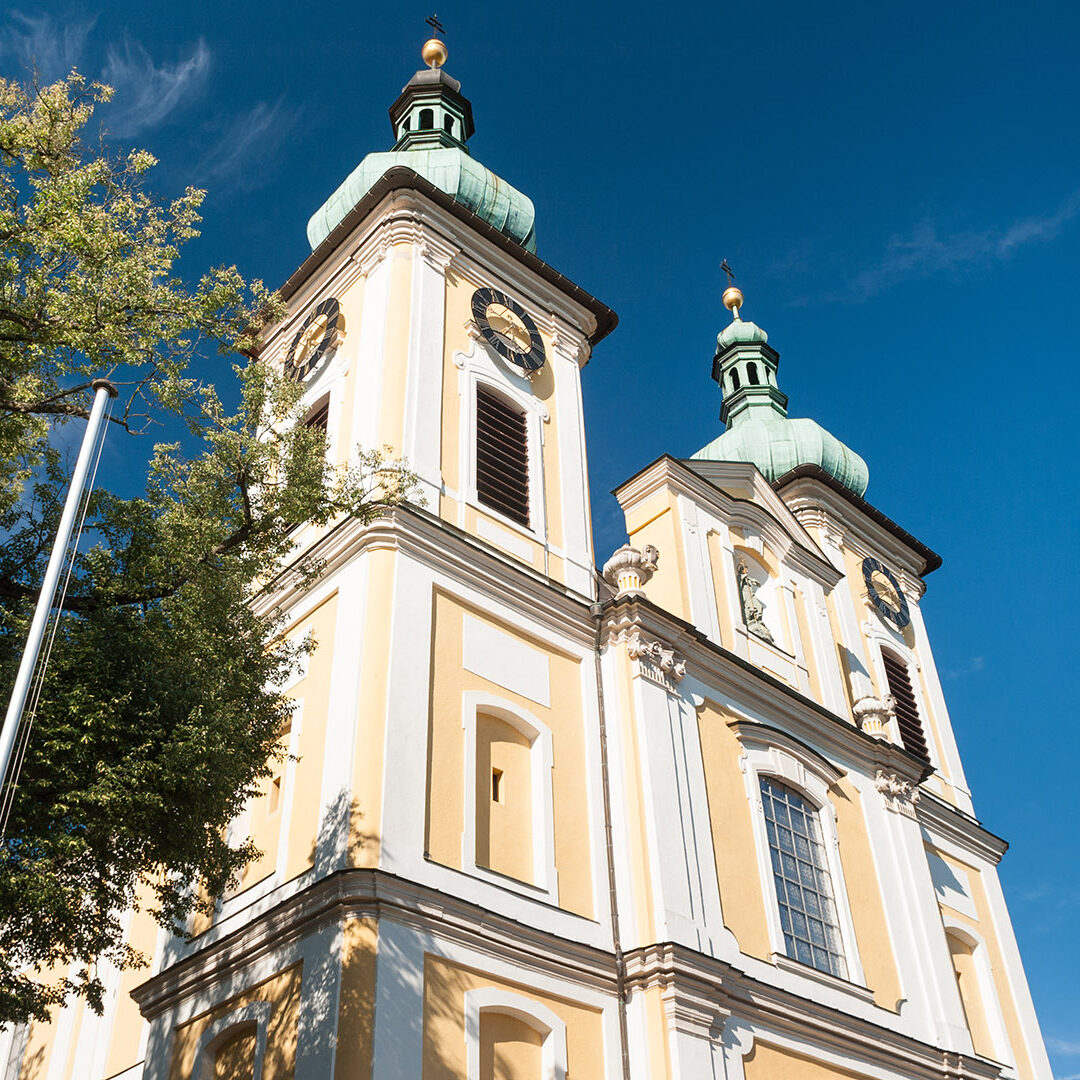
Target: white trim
539,1017
256,1015
541,758
804,772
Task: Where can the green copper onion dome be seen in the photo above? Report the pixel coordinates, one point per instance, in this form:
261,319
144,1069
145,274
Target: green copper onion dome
755,411
432,122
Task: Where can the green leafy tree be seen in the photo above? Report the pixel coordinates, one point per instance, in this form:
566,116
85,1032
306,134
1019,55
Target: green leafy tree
158,713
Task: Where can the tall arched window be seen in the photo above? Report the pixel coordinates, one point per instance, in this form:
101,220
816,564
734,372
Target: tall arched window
907,708
508,1035
804,890
751,374
426,120
734,379
502,455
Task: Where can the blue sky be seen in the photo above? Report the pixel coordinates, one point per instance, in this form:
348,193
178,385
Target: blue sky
898,189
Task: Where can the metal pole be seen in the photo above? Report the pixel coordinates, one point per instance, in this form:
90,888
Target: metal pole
103,391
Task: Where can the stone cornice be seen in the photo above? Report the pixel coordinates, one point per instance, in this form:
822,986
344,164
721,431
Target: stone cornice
376,894
865,529
770,516
941,819
702,992
446,548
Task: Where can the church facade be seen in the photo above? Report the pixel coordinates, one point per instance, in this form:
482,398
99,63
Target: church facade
699,814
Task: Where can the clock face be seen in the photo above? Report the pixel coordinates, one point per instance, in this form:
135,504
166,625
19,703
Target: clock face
507,328
317,334
885,593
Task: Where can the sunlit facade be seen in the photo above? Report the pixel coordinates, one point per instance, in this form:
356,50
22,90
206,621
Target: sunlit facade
697,814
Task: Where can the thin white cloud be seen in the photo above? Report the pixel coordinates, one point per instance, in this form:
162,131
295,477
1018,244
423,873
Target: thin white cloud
240,157
926,251
146,93
1064,1046
45,45
969,667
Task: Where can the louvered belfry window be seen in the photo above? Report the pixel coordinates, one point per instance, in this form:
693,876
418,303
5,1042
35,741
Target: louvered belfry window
502,456
907,711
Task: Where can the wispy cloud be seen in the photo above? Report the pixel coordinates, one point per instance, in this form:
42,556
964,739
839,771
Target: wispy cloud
969,667
926,251
45,45
247,145
146,92
1064,1046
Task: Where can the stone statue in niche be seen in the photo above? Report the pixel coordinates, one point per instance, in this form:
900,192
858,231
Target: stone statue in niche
752,608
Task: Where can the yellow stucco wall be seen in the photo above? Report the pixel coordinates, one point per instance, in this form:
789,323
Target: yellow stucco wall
446,748
356,1007
771,1063
655,520
282,991
445,986
732,832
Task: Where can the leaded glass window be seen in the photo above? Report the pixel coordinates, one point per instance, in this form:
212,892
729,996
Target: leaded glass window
801,873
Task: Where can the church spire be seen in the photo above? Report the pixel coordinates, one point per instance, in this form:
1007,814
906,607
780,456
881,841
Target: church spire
431,111
754,409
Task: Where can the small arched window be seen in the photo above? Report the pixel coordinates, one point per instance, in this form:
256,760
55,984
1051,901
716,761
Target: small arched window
502,455
907,708
504,798
448,124
734,379
318,417
426,121
965,968
405,125
804,890
751,374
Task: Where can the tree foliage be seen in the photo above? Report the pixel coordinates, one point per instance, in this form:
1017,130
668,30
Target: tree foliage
158,713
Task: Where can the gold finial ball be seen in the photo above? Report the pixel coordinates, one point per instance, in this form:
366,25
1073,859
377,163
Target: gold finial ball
733,298
434,53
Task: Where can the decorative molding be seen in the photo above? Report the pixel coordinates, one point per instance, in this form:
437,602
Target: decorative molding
900,795
655,662
629,569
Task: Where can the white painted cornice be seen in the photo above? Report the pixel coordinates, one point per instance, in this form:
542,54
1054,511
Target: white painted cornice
357,893
942,820
446,549
766,513
702,991
817,506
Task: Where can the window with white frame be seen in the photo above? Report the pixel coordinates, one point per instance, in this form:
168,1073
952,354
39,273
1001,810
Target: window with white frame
804,890
794,821
509,834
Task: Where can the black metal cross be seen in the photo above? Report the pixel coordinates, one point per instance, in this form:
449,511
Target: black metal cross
730,273
433,22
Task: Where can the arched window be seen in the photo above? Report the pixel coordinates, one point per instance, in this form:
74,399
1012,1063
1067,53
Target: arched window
804,891
318,416
907,708
405,125
962,953
734,379
510,1035
234,1059
751,374
233,1047
504,800
426,120
509,835
502,455
448,124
